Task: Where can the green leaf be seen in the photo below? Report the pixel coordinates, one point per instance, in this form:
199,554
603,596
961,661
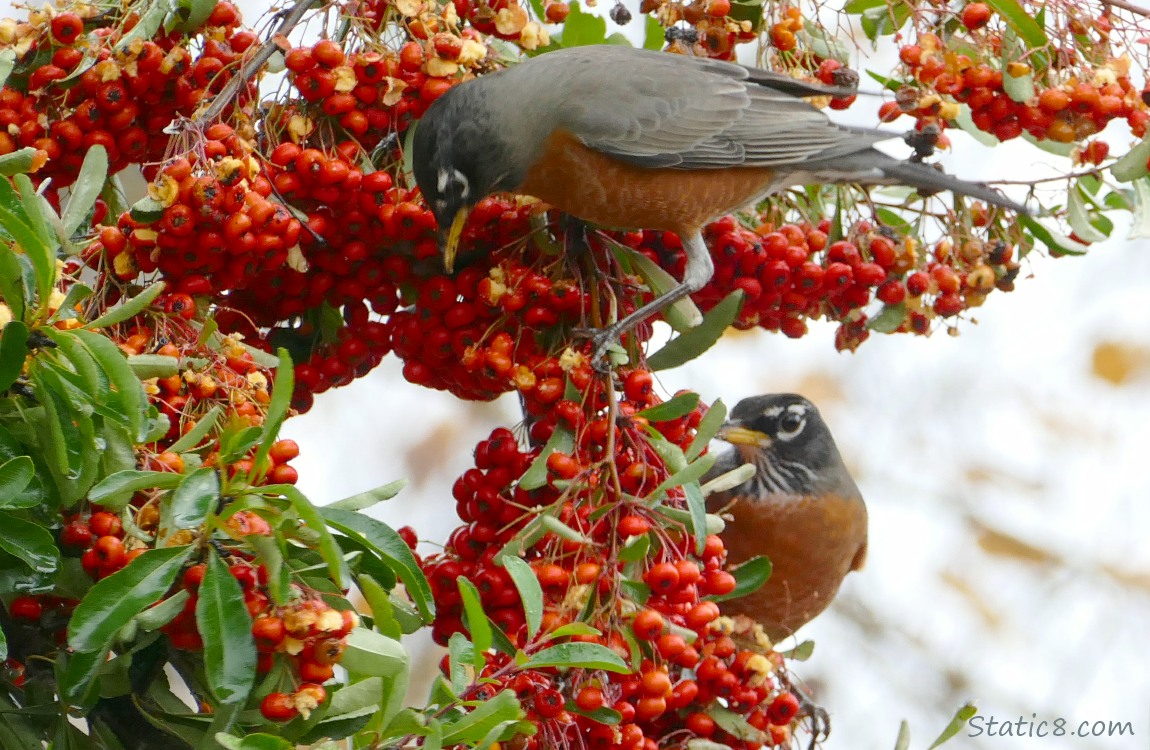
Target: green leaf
253,742
1133,164
964,714
15,476
129,308
679,406
735,724
367,499
192,437
226,626
79,675
1140,224
1018,88
581,29
192,14
582,655
123,483
692,473
190,503
7,63
1080,219
1057,243
637,547
382,613
17,162
42,257
562,440
653,33
146,366
391,548
146,27
854,7
1021,22
159,615
889,319
277,413
127,390
682,315
699,339
903,740
372,654
483,718
476,620
573,628
30,542
708,427
13,290
13,353
800,652
86,189
530,592
697,507
749,578
712,524
329,550
115,600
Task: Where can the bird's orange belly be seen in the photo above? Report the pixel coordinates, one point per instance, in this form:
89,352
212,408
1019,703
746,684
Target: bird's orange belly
603,190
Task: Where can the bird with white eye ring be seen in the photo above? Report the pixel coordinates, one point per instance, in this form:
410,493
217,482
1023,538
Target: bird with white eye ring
801,509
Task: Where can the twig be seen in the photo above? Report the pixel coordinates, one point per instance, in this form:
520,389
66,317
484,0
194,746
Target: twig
1144,12
1040,180
254,62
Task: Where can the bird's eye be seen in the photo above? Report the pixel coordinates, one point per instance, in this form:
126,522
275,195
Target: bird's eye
790,425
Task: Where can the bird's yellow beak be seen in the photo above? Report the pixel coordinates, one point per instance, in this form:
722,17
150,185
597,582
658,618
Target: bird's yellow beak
736,435
452,244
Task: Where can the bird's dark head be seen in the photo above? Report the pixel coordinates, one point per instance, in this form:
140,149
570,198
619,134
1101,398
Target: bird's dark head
451,160
786,438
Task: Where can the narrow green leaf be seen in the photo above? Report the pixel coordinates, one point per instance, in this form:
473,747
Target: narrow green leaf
129,308
1021,22
146,27
7,63
29,542
126,387
582,655
371,497
679,406
1132,165
1018,88
13,353
132,480
382,614
77,293
1079,217
192,437
146,366
684,314
13,290
253,742
66,446
708,427
270,552
735,724
42,257
193,13
190,503
688,346
277,411
86,189
555,526
697,508
329,550
372,654
712,524
474,726
964,714
889,319
692,473
159,615
1057,243
573,628
729,480
17,162
392,550
903,740
562,440
460,654
854,7
15,476
800,652
653,33
115,600
226,626
749,578
477,623
530,592
637,548
79,675
1140,224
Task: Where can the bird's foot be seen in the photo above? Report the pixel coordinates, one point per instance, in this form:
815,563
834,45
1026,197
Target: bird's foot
604,341
818,718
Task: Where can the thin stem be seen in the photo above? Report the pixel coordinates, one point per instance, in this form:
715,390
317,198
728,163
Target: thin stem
1130,7
254,62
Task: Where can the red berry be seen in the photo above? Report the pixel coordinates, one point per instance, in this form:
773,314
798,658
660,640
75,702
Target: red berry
589,699
105,524
783,708
548,703
648,625
67,28
975,15
633,524
278,707
26,608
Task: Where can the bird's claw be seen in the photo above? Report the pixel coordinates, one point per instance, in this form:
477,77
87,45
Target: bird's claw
820,720
603,342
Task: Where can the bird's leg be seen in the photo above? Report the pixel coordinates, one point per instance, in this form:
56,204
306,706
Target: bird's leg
699,270
820,720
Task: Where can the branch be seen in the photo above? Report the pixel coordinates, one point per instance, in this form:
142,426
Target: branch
254,62
1144,12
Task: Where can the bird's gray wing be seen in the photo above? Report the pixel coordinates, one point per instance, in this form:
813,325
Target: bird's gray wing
673,111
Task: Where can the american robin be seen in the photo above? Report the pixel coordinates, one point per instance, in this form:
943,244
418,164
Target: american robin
801,510
632,138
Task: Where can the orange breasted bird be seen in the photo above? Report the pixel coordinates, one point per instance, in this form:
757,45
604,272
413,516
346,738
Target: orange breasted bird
638,139
801,509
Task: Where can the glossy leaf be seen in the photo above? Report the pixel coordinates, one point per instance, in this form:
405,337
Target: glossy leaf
1057,243
1021,22
130,307
127,391
19,161
13,352
130,481
392,550
364,500
189,503
691,473
383,615
13,290
749,578
712,524
729,480
310,515
562,440
269,551
682,315
156,617
583,655
476,619
689,345
194,436
226,626
277,411
735,724
530,592
115,600
1132,165
1079,217
146,366
961,717
79,676
15,476
708,427
86,189
697,508
372,654
29,542
573,628
889,319
679,406
801,652
42,257
483,718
